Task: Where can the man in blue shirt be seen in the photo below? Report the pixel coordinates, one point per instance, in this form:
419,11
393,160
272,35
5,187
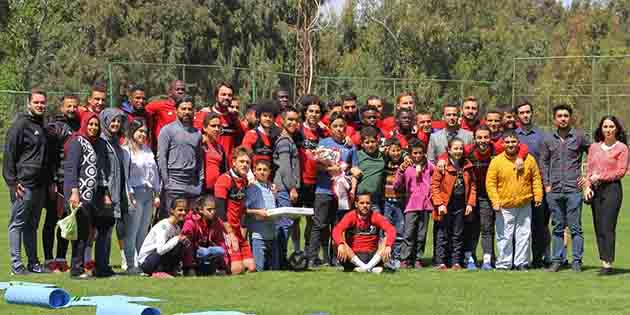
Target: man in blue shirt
533,137
325,205
561,163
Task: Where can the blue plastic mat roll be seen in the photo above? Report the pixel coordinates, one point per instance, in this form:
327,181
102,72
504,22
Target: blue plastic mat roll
37,296
126,309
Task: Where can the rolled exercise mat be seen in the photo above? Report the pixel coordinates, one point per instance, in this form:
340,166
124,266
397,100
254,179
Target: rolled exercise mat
125,309
37,296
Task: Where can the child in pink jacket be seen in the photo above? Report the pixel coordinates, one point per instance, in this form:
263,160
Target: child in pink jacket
414,177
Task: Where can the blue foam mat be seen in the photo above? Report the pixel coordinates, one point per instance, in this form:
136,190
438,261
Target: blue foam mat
215,313
37,296
125,309
98,300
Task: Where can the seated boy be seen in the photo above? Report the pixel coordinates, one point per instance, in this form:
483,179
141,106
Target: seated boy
259,199
208,252
357,238
163,248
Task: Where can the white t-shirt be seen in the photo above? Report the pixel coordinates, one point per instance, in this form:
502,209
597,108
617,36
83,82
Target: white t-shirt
163,237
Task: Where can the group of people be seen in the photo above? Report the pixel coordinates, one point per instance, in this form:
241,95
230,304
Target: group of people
188,190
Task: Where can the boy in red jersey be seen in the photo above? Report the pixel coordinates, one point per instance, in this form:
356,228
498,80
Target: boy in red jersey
357,238
229,192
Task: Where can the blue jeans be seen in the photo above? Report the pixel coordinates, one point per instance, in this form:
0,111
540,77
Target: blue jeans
137,221
25,213
262,251
393,212
566,210
377,205
283,232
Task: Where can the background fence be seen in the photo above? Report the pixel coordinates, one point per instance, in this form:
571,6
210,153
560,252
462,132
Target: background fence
593,85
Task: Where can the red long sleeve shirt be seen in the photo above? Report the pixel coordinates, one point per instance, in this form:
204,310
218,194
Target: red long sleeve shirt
361,234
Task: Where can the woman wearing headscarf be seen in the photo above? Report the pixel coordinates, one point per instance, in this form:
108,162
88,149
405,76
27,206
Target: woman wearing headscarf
81,176
114,202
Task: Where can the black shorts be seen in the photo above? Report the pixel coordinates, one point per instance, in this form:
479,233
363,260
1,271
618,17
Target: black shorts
365,257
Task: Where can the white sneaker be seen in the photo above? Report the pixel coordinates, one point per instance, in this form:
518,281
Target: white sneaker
377,270
123,260
359,269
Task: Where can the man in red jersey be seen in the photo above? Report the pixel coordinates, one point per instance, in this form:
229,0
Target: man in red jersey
229,192
403,131
163,112
423,126
404,100
259,140
231,129
357,238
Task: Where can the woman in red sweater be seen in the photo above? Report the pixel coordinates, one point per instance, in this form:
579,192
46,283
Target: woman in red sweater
607,164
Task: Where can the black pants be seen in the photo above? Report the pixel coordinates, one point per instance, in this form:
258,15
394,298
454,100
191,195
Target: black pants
472,228
606,204
84,226
325,207
307,194
48,231
541,237
486,224
450,234
163,263
414,236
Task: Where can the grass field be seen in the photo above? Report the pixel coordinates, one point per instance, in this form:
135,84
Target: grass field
334,292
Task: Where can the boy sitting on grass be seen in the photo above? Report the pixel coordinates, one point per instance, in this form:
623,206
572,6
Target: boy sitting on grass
208,252
163,248
357,238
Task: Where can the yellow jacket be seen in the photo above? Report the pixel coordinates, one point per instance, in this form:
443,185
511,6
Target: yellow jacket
508,188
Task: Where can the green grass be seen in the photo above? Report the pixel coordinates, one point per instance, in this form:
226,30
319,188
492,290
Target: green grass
334,292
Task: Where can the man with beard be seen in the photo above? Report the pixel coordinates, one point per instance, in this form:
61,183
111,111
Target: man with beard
438,142
58,131
404,128
181,155
369,117
531,135
350,111
27,174
423,127
96,100
162,112
561,163
512,192
470,114
377,102
231,130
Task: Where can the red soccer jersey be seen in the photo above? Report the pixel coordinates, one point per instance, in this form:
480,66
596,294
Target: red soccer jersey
215,164
471,127
162,113
307,161
231,187
404,140
259,143
424,137
362,234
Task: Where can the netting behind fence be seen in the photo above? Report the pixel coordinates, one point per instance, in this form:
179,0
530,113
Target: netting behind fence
593,85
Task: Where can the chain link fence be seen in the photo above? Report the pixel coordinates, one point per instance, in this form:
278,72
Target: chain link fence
593,85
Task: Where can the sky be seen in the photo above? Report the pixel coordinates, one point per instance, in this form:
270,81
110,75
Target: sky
338,4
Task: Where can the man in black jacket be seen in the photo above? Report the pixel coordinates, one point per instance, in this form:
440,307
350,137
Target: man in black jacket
58,129
27,174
